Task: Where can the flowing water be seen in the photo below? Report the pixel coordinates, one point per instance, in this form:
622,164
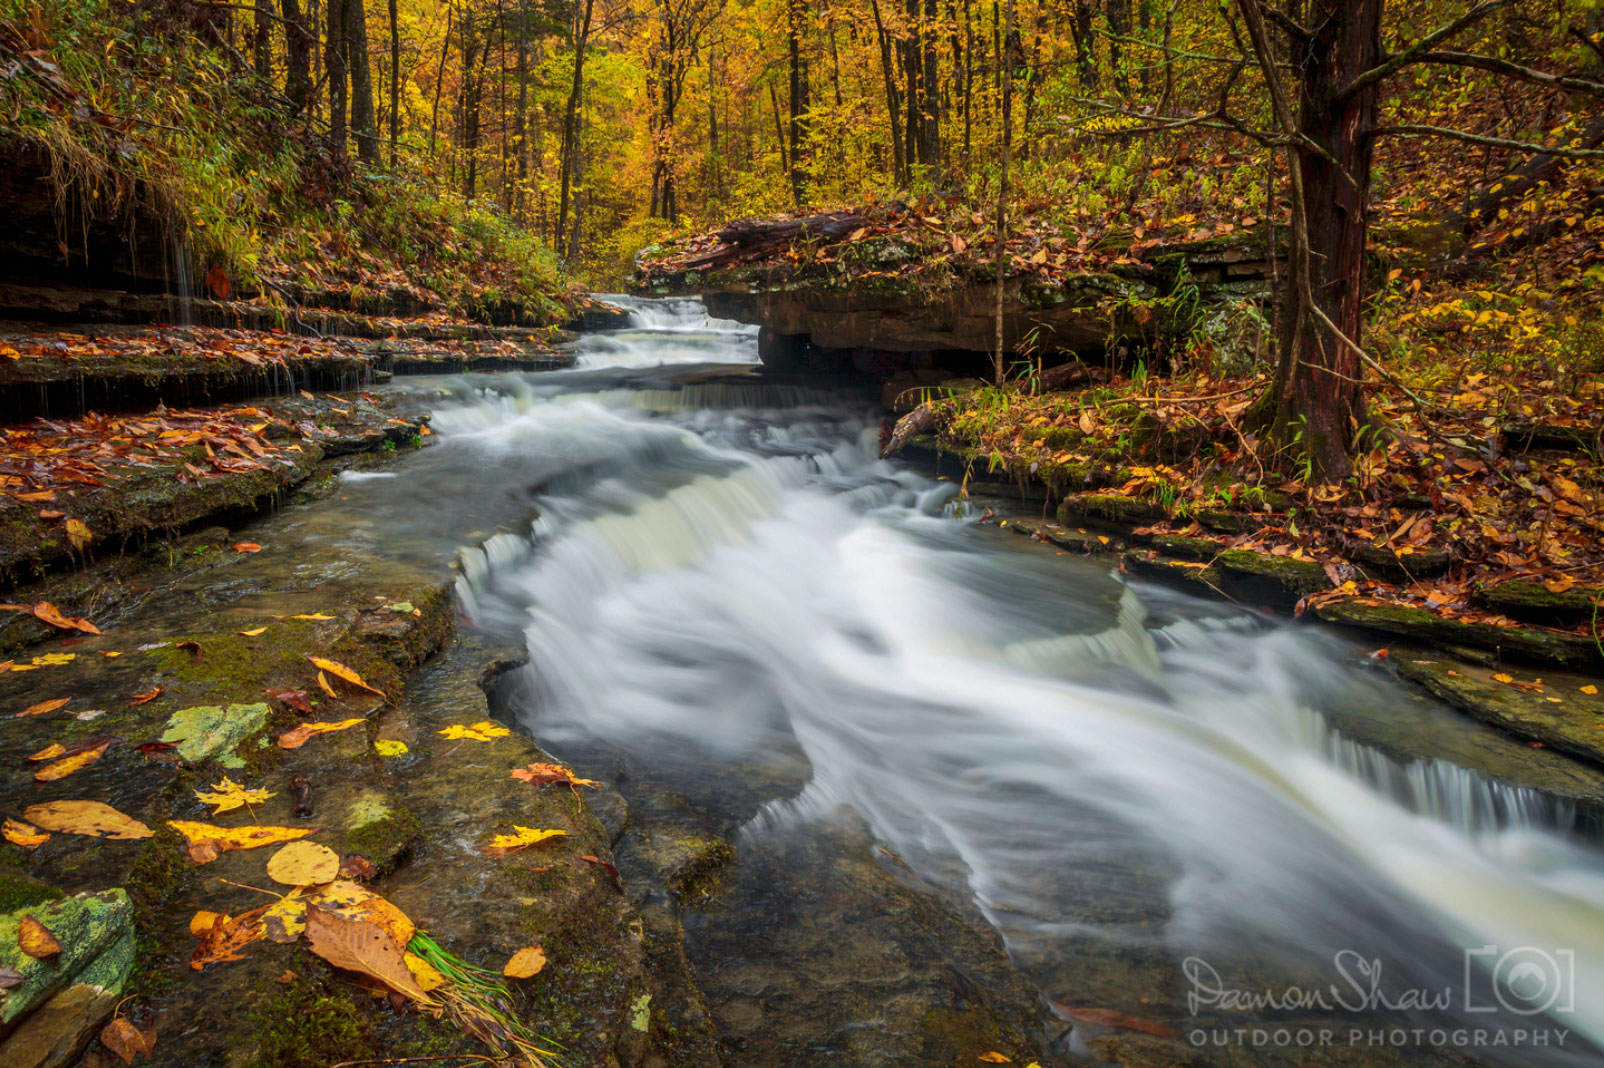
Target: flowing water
730,602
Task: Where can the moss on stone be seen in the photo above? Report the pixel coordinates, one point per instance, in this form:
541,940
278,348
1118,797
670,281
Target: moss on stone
20,891
313,1023
158,874
213,732
385,837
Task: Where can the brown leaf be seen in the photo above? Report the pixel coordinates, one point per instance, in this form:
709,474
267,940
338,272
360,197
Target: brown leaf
92,818
148,696
217,281
44,706
295,737
295,699
247,547
35,939
364,948
192,646
356,866
526,962
127,1041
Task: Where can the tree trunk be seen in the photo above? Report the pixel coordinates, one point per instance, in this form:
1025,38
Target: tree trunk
1319,400
520,126
262,41
1085,47
335,73
395,80
893,104
571,131
930,88
795,14
439,82
298,58
1119,25
356,44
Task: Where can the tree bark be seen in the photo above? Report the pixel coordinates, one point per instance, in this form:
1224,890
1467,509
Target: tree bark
262,41
439,82
298,58
395,80
335,73
893,104
795,14
363,123
1318,396
520,128
571,129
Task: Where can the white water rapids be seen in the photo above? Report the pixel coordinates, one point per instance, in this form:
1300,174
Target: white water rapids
1112,772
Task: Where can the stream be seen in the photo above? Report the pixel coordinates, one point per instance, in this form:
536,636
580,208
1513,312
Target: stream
764,633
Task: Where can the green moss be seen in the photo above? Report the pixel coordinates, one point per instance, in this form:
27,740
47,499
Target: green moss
213,732
19,891
386,840
158,874
312,1024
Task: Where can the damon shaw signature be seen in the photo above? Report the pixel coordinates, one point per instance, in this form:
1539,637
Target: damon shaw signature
1360,990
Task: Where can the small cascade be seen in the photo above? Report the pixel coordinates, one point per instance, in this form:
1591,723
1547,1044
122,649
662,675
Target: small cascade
183,280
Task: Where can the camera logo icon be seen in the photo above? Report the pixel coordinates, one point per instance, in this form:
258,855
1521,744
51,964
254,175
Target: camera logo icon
1523,980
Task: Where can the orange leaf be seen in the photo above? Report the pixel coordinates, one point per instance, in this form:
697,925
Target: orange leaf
526,962
247,547
92,818
46,612
323,684
226,936
64,767
49,752
365,948
127,1041
35,939
21,834
44,706
334,667
146,697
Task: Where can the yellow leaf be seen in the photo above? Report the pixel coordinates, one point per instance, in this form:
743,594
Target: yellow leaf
207,841
427,976
304,864
526,962
482,731
356,902
49,752
386,747
1589,689
230,795
92,818
334,667
314,615
21,834
79,534
202,922
44,706
251,633
64,767
502,844
1501,677
323,684
993,1057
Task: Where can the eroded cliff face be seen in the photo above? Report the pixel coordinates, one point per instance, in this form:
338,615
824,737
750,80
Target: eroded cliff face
860,311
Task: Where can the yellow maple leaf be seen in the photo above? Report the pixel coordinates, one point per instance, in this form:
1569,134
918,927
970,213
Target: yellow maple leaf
523,837
229,795
1589,689
482,731
387,747
1501,677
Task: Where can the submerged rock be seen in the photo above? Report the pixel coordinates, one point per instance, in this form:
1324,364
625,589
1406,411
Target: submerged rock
96,933
208,732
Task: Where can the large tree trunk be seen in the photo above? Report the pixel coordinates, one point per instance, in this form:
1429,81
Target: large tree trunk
472,90
893,104
363,123
395,80
520,125
298,58
796,13
262,41
1319,403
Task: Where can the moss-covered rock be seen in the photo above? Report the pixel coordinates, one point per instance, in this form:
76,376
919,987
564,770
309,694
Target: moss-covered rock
1108,508
97,938
1404,565
1557,714
1532,645
213,732
1532,601
1263,579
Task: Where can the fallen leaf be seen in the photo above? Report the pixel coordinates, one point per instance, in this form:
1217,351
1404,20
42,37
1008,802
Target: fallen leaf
251,633
227,935
503,844
127,1041
91,818
207,841
1114,1018
426,974
314,615
296,699
364,948
9,977
296,737
387,747
49,752
304,864
339,670
610,868
148,696
287,977
543,774
229,795
1501,677
1589,689
356,866
64,767
193,646
246,547
21,834
46,612
482,731
44,706
526,962
79,534
323,684
35,939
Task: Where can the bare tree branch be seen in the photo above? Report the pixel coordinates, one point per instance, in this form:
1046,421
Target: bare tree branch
1513,70
1413,53
1416,130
